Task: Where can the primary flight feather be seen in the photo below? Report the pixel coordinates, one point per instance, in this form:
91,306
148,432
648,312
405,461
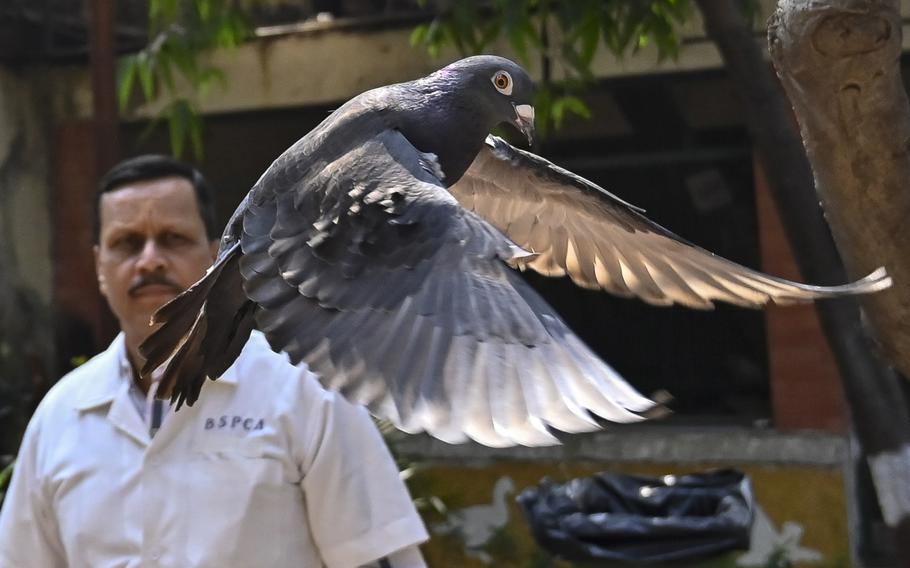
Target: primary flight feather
380,249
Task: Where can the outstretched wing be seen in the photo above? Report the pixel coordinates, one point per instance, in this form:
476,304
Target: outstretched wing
370,271
578,229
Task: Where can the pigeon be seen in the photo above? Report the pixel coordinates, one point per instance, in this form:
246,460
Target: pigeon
383,249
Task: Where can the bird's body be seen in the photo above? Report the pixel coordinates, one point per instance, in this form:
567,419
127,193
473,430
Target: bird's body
379,249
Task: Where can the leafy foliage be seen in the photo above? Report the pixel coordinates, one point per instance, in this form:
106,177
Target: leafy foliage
179,32
5,476
26,355
563,34
25,358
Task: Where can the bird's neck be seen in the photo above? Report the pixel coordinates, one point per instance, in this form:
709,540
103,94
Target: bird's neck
449,128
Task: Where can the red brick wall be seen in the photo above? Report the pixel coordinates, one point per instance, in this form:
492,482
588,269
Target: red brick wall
80,307
806,391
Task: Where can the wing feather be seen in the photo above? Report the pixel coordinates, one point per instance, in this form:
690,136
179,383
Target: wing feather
579,229
405,302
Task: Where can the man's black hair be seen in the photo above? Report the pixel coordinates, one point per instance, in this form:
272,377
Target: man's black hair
156,166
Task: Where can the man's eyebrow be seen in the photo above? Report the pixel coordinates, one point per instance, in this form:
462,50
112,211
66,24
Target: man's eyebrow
118,229
163,226
182,228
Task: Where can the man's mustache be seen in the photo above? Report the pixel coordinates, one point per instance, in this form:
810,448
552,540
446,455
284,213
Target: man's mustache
153,279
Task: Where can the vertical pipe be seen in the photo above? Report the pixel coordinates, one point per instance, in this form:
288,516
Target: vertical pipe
104,90
105,119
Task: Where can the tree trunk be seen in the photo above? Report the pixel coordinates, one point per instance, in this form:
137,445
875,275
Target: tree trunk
876,402
839,63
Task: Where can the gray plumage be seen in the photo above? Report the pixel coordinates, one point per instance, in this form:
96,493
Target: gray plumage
380,250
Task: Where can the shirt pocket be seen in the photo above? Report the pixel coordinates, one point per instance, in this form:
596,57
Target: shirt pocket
227,446
253,512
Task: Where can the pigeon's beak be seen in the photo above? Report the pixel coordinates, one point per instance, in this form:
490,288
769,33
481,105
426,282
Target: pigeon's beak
524,121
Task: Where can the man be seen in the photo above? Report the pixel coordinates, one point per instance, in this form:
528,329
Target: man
266,470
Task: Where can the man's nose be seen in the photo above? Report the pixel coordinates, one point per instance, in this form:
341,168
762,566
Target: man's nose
151,257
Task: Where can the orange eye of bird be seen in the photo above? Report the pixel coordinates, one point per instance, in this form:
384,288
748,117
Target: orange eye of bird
503,82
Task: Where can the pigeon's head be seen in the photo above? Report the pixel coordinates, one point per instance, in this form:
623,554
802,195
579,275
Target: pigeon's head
499,88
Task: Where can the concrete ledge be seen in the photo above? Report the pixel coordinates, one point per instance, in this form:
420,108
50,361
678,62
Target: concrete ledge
651,444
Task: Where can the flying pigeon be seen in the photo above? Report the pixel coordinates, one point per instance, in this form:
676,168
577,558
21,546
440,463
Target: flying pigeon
381,250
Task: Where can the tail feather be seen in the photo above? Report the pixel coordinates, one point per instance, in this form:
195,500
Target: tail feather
230,320
202,331
184,375
177,316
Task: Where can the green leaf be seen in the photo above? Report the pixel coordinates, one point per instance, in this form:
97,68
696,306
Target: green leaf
178,125
184,58
556,112
490,31
126,79
184,123
543,106
152,126
419,35
208,77
434,38
145,67
589,34
451,34
232,31
517,39
196,134
165,71
752,10
6,475
576,106
517,25
643,40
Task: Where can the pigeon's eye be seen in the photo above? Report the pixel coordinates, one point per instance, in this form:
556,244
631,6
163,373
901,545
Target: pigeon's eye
503,82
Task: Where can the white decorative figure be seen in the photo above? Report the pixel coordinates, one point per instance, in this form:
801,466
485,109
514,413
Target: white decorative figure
478,523
767,541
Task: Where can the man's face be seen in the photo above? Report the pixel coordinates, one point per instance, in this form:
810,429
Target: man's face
152,246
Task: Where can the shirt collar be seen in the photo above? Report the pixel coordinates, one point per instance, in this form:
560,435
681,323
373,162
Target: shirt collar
102,386
110,369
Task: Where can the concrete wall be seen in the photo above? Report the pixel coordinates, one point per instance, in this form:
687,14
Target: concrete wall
323,63
26,337
319,64
798,482
24,210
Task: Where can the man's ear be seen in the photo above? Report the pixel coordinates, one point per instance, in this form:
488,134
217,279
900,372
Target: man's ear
102,285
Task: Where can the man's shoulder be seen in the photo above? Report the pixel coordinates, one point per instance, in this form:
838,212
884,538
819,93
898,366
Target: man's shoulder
98,364
259,362
260,368
75,385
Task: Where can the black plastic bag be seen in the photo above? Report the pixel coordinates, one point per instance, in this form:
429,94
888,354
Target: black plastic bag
641,519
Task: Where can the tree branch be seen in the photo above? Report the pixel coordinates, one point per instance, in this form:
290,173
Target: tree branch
839,62
876,402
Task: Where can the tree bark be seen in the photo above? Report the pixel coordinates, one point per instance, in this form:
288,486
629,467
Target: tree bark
876,402
839,63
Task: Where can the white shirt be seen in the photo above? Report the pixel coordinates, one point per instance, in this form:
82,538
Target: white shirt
267,469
